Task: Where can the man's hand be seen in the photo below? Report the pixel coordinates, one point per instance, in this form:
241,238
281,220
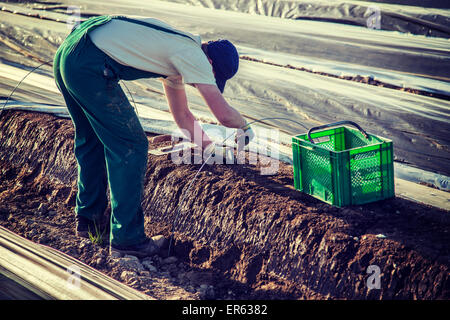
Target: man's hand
216,151
244,136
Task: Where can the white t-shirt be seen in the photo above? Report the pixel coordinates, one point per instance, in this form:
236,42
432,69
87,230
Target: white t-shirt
179,58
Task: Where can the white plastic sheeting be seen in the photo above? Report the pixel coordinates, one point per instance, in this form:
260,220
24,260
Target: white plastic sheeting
419,125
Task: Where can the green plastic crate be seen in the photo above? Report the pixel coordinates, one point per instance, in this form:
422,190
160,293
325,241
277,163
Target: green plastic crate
342,167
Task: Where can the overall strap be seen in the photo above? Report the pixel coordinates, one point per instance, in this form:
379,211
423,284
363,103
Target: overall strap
151,25
79,32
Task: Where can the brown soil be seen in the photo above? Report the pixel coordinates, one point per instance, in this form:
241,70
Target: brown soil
239,234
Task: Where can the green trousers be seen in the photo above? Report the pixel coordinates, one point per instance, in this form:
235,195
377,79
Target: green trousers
110,144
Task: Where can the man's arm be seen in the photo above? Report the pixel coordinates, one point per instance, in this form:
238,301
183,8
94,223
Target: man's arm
177,100
227,115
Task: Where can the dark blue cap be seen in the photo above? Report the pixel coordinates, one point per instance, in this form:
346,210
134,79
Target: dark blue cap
225,61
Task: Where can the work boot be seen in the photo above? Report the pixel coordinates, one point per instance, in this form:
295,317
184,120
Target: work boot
85,226
144,249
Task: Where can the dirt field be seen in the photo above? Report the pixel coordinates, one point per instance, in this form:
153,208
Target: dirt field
239,235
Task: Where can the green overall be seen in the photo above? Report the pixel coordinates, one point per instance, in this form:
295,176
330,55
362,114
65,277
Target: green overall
110,143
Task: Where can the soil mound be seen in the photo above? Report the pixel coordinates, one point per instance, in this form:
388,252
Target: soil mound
236,228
